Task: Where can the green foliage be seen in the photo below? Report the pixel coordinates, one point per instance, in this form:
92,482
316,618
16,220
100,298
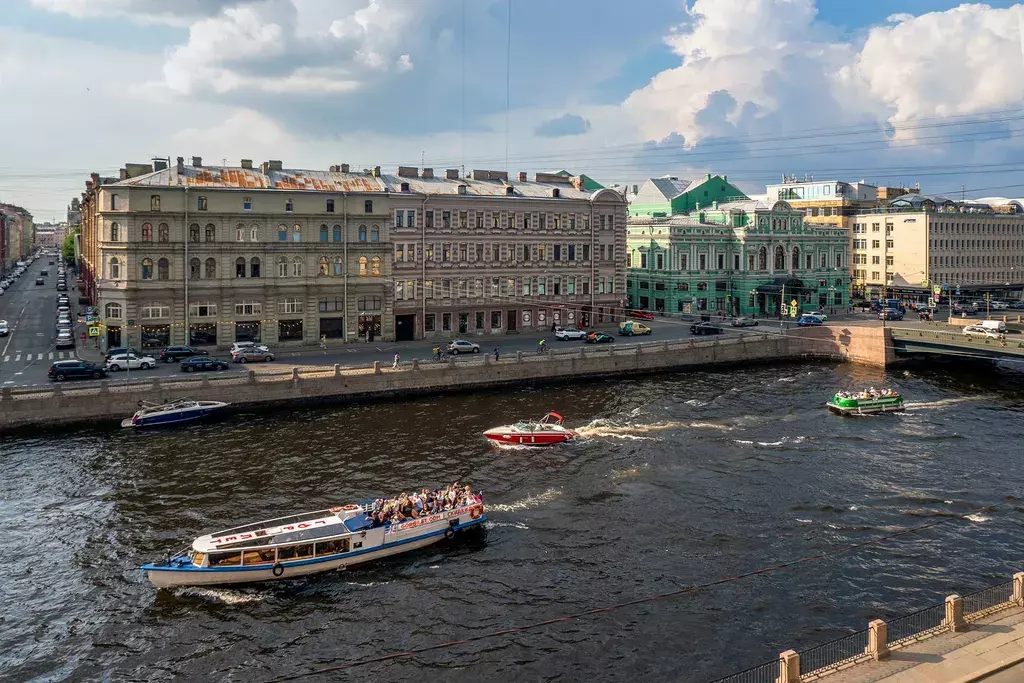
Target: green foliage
67,249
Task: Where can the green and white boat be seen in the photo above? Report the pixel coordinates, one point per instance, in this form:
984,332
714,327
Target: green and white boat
866,402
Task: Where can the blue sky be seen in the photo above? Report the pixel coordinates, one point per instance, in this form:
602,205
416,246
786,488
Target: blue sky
620,91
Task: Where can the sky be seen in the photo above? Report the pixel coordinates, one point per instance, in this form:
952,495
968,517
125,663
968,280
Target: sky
893,92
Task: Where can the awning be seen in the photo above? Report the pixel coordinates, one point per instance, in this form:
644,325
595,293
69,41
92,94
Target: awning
792,284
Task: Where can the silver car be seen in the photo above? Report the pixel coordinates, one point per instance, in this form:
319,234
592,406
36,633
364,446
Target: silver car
462,346
743,322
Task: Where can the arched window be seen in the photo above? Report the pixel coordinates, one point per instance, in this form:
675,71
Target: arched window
337,266
702,286
254,233
323,232
795,262
362,265
147,232
240,233
375,266
193,232
163,233
780,258
683,287
254,267
362,233
282,233
239,267
114,311
282,266
336,237
839,282
193,269
375,234
115,232
297,266
762,258
147,269
211,268
163,269
114,270
211,233
323,265
296,233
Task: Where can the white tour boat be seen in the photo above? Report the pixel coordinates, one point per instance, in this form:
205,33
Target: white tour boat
308,543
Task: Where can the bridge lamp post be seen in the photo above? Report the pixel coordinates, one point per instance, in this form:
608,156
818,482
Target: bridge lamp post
753,303
832,300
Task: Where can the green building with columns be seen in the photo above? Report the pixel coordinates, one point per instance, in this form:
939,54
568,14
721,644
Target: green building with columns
737,257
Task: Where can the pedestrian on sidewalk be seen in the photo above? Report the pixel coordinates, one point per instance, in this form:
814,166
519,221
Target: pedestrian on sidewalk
495,354
323,343
83,339
395,364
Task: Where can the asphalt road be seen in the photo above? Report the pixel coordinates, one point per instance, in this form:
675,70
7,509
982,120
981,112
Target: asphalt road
31,312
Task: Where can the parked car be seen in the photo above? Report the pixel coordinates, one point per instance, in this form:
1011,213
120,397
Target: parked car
641,315
567,333
245,345
65,339
599,338
252,354
890,314
131,362
64,318
631,327
202,363
4,328
63,309
1017,305
808,321
178,352
821,319
118,350
743,322
462,346
75,369
61,287
705,328
818,314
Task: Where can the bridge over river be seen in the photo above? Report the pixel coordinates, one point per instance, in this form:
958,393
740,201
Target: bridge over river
914,341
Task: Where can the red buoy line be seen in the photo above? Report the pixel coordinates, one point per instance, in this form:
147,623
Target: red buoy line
630,603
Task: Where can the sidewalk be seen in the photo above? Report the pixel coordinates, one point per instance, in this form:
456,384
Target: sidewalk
992,650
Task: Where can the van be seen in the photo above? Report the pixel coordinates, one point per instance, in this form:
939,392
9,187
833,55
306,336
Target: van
631,327
994,325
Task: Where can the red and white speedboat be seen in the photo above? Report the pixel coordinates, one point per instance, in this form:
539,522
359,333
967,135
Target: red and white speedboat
547,432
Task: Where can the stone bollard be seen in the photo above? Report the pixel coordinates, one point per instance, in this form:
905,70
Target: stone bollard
6,394
1018,589
376,367
252,376
519,356
156,384
665,344
415,364
789,667
337,370
878,640
954,620
487,359
295,374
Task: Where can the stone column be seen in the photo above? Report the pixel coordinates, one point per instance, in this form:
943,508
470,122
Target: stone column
1018,589
878,640
789,667
954,620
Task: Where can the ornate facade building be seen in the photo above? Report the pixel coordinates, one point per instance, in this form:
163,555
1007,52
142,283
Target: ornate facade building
213,255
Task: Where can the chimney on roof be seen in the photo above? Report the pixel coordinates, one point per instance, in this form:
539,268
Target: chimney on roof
408,172
159,164
577,183
522,176
452,174
95,179
181,166
247,163
88,187
548,178
376,171
428,173
334,168
197,162
345,168
124,174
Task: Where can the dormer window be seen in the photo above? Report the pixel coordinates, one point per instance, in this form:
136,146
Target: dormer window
405,187
556,193
509,190
462,189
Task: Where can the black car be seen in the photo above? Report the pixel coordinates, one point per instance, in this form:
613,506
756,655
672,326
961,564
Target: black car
40,281
118,350
201,363
705,328
178,352
75,369
61,287
598,338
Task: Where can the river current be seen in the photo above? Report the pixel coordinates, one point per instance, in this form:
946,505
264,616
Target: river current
682,479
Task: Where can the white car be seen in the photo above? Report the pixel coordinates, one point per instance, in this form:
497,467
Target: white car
820,315
4,329
462,346
131,362
237,346
567,333
65,339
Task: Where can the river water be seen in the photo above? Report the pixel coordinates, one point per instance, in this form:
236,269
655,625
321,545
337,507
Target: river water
682,479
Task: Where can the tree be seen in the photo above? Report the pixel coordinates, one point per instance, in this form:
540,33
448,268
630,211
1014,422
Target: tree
67,250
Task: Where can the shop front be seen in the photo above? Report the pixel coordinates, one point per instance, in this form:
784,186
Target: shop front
289,330
247,332
369,326
155,336
202,334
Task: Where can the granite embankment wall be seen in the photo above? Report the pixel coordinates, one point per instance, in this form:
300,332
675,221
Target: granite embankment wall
118,398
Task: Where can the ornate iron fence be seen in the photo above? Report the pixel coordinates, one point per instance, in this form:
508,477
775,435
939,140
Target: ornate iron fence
982,602
835,653
762,673
915,624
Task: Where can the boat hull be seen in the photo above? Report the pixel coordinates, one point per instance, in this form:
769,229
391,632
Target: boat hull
531,439
173,577
866,407
172,417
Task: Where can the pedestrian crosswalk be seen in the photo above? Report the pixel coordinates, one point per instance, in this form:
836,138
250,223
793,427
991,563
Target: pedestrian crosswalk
28,357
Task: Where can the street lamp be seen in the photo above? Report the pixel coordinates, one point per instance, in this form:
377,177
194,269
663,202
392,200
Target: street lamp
832,300
753,302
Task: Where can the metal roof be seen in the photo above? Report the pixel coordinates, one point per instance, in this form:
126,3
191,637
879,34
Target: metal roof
235,177
484,188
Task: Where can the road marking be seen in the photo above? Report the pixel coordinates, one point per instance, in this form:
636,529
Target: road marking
49,356
17,358
6,358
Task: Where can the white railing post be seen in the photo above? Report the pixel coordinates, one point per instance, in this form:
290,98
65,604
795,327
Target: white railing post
878,640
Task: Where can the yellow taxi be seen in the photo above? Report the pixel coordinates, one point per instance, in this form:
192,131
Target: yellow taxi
632,327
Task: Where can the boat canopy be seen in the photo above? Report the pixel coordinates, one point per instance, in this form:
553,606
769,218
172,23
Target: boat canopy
552,417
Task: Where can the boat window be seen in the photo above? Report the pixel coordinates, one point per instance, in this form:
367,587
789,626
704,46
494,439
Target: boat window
197,558
303,551
334,547
258,556
225,559
295,552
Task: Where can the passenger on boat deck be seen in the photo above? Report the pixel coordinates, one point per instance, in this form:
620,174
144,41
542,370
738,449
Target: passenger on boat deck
426,502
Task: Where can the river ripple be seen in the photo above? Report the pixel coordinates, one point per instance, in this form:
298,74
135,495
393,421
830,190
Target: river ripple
684,478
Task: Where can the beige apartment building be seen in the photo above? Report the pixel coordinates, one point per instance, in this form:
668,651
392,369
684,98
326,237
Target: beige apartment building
918,243
213,255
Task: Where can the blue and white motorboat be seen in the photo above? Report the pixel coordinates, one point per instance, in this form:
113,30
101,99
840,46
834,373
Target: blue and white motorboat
177,412
309,543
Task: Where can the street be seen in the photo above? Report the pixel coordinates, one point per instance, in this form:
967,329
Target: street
31,312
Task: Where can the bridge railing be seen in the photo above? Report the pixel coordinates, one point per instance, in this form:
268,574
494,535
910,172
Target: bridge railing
1012,341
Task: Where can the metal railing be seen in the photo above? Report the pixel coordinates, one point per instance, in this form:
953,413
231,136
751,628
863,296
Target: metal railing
984,601
916,624
1012,342
834,654
762,673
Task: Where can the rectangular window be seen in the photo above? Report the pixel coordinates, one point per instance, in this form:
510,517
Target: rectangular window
399,218
495,320
410,252
586,251
430,219
368,206
154,202
330,206
115,204
200,204
735,261
495,287
248,308
446,322
429,322
721,261
463,220
202,310
542,286
336,233
446,219
543,221
570,285
293,305
875,244
246,203
703,260
399,253
282,234
526,287
323,233
428,289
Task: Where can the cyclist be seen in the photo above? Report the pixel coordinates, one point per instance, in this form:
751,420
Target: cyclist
540,346
323,342
437,353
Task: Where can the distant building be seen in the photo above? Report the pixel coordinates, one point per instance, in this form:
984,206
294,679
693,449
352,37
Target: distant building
17,236
670,195
50,235
825,202
74,216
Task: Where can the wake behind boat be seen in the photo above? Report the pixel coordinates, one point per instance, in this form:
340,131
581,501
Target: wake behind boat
866,402
321,541
177,412
548,432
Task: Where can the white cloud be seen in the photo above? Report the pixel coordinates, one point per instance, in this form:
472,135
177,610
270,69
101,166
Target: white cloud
173,12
